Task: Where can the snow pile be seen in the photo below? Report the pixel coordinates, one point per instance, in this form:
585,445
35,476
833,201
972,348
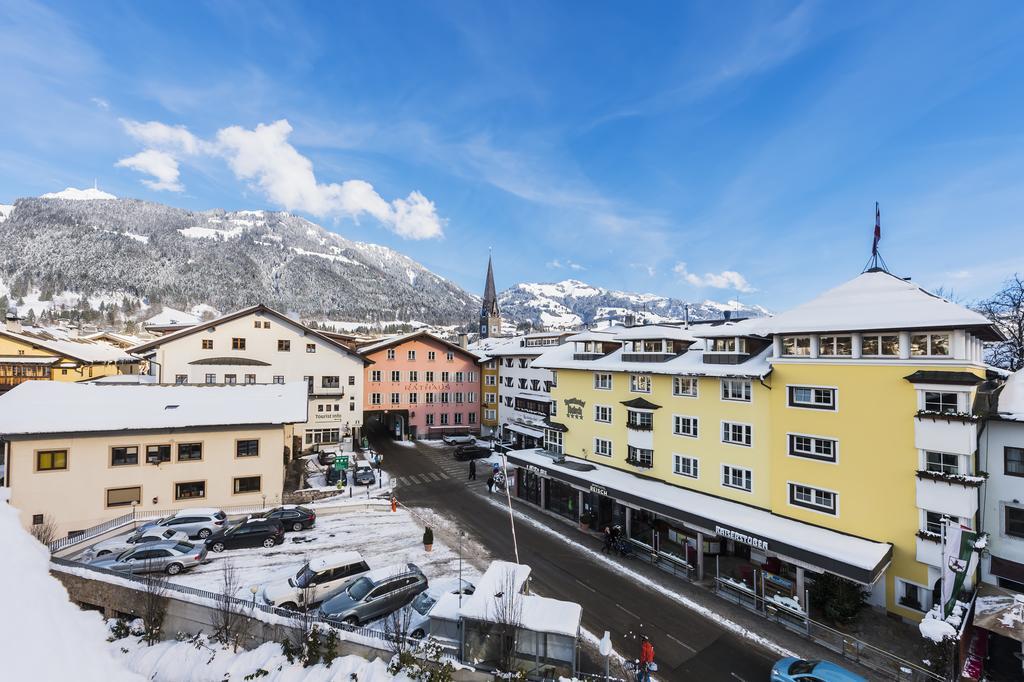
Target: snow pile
936,628
75,194
5,211
1011,398
45,636
205,661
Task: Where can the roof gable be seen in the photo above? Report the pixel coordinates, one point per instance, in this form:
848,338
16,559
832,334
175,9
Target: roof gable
394,341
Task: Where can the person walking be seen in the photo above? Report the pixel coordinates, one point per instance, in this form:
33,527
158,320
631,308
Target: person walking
607,548
472,469
646,659
490,485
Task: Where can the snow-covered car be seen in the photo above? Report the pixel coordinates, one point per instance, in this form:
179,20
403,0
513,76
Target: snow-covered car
363,474
315,581
419,609
137,539
198,522
374,595
464,439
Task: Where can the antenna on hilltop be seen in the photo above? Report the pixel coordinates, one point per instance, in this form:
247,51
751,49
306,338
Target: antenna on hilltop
876,263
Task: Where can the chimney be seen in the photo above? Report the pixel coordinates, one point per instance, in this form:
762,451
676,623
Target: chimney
12,320
463,340
727,314
629,320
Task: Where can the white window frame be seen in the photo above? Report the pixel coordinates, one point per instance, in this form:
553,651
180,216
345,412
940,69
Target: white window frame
812,456
879,354
926,602
928,345
598,381
677,460
746,395
597,417
795,338
749,475
693,382
695,421
750,430
598,443
961,461
791,402
633,382
812,506
962,398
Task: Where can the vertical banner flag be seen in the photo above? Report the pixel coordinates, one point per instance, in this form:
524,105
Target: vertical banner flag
878,230
957,553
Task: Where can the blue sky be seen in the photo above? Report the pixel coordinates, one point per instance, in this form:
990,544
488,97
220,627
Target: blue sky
677,148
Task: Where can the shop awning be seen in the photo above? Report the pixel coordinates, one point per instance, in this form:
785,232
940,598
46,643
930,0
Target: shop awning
858,559
1000,611
525,430
1004,568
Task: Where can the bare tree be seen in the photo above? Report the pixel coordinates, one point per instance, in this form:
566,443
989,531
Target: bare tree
231,623
154,606
45,532
1006,311
506,615
396,629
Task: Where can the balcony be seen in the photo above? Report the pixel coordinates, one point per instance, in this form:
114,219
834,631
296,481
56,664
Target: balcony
643,439
333,391
950,433
640,463
588,356
929,549
647,357
946,496
639,426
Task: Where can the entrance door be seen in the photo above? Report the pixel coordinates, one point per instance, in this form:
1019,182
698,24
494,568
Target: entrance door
399,427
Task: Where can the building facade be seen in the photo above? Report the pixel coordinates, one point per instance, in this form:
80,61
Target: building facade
259,345
421,386
81,454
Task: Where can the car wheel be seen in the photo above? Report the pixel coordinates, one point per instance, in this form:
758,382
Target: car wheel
174,569
351,621
289,606
204,533
269,542
417,633
103,552
217,547
296,526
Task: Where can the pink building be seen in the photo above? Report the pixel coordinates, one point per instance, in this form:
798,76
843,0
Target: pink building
421,386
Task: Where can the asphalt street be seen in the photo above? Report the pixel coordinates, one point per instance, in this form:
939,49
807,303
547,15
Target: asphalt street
688,646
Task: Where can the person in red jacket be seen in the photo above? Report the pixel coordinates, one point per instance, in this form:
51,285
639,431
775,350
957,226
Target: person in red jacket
646,658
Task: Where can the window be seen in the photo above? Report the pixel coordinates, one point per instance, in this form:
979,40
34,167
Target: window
603,382
458,417
237,343
460,377
812,498
642,421
375,398
51,460
429,376
450,356
1014,519
207,344
396,375
602,447
158,453
445,397
685,386
230,379
935,345
257,324
640,457
414,375
374,375
880,345
211,378
913,596
444,419
835,346
812,397
941,401
310,347
736,389
471,376
522,383
490,380
247,484
123,456
731,345
1013,461
471,397
796,346
685,466
490,415
411,355
459,396
472,417
431,355
430,398
736,434
396,398
602,413
284,345
942,462
446,377
124,497
250,378
190,491
553,441
737,477
414,398
933,522
684,426
189,452
248,448
181,378
391,354
351,380
812,447
278,378
490,397
430,420
640,383
330,382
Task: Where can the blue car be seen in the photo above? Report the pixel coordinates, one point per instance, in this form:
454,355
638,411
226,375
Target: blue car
798,670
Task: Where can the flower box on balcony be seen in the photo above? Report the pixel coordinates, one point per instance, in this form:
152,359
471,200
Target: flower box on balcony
640,463
947,416
960,479
639,427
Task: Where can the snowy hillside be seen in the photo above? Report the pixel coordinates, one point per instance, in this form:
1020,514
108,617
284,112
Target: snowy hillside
70,245
571,303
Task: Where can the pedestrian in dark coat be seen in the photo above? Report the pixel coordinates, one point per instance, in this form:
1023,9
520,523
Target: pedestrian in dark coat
472,469
607,540
490,485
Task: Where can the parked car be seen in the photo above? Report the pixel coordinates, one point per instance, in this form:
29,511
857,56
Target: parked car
799,670
327,454
170,557
463,439
199,522
317,580
363,474
374,594
247,533
291,516
467,452
140,537
420,607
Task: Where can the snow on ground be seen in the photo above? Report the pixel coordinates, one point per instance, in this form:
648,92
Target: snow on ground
199,232
5,211
172,661
45,636
75,194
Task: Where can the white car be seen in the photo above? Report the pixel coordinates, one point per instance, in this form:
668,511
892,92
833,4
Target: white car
138,538
315,581
198,522
464,439
421,606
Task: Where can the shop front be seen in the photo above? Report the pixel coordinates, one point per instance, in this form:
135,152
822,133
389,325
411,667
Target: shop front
562,499
529,486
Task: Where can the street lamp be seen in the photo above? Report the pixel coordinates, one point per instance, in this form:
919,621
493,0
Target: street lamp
605,647
508,498
254,589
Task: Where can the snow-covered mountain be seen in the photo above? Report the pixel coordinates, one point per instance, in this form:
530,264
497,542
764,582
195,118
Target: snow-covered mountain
571,303
89,243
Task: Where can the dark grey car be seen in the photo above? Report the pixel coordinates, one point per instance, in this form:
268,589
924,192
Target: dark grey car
374,595
170,557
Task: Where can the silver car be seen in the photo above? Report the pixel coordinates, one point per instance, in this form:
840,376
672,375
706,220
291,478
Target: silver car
374,595
464,439
199,522
140,537
169,557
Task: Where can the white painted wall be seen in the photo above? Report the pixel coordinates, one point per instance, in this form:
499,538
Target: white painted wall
999,491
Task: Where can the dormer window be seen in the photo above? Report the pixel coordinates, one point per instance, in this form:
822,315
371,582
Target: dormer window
835,346
640,383
879,345
933,345
796,346
729,345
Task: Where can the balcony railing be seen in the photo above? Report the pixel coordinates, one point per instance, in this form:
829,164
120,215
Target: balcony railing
642,463
639,426
959,479
647,357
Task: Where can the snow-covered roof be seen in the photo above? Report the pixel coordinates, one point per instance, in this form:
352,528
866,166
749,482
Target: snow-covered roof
28,359
334,559
1011,398
60,341
875,300
595,335
390,341
37,407
754,326
655,331
689,363
169,317
125,379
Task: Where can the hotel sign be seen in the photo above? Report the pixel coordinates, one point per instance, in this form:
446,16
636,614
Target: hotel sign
742,537
574,408
599,490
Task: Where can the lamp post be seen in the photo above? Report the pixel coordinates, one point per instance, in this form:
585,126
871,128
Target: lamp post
508,498
461,534
605,648
253,589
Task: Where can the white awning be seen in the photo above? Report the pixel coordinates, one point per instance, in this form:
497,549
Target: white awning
525,430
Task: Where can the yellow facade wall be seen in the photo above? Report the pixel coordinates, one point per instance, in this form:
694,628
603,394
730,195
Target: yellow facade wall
79,372
489,369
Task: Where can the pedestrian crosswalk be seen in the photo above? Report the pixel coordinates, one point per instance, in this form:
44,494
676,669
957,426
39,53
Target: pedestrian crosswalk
448,469
420,479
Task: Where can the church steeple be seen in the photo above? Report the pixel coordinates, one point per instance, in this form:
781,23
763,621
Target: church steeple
490,316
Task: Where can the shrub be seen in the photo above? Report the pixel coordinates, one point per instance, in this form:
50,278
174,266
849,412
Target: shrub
839,600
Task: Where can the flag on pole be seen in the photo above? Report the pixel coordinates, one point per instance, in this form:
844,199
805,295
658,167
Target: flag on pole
957,562
878,230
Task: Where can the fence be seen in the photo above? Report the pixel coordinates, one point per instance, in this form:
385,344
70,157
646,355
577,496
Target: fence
850,648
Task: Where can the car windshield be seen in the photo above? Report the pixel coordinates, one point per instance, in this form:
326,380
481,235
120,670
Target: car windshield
184,547
422,603
125,554
360,588
303,577
802,667
234,527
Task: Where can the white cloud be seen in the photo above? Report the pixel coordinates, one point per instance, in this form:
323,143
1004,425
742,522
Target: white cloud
559,264
101,103
727,279
264,157
645,267
162,166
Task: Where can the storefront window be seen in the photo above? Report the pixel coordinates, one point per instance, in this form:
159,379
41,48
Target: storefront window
562,499
529,486
641,526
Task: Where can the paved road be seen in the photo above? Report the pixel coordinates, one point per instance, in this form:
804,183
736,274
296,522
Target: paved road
687,645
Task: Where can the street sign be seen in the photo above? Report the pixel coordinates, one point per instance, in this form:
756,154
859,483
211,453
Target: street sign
341,463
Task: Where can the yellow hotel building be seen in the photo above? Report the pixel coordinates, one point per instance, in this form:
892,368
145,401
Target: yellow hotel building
831,438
